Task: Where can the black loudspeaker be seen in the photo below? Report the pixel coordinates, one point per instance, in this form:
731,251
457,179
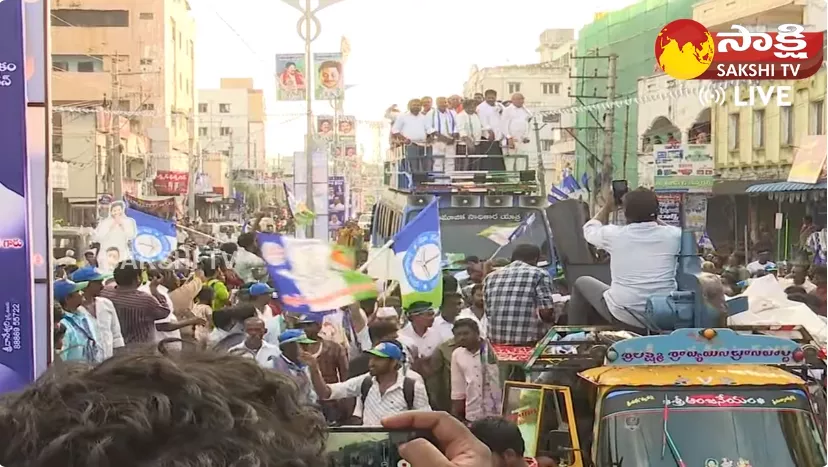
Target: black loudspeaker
527,175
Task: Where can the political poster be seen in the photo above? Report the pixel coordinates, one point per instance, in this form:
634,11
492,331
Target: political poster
346,128
17,329
325,126
684,167
328,76
115,233
291,75
336,203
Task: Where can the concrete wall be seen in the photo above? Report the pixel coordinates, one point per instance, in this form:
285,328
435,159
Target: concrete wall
213,120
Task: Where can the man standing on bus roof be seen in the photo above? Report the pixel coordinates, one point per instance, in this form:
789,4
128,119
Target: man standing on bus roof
515,121
445,133
413,130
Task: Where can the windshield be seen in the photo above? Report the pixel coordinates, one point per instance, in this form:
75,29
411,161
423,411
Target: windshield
709,426
459,229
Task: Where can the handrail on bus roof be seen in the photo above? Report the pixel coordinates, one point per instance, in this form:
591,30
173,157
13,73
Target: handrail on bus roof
520,180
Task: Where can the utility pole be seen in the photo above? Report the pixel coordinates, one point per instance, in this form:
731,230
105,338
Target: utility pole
609,126
541,171
626,142
195,166
588,139
116,161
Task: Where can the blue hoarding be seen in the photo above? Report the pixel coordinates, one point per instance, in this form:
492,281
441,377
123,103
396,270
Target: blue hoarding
16,321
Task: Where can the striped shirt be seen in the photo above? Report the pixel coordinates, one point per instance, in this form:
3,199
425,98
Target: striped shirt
137,312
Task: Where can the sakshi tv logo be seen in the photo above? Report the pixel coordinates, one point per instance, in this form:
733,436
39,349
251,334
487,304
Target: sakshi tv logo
686,50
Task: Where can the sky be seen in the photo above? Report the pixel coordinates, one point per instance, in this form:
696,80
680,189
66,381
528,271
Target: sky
399,48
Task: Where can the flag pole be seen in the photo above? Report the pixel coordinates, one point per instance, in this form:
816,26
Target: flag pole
496,252
380,252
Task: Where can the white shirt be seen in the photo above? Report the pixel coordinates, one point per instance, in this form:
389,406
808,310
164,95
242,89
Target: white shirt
643,260
755,266
482,324
445,328
490,119
247,265
807,285
107,326
413,127
425,344
515,122
379,406
161,335
469,126
262,356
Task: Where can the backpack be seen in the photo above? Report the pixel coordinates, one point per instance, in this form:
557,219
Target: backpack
408,391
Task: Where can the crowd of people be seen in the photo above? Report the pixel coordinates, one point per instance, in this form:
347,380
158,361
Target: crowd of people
462,134
356,366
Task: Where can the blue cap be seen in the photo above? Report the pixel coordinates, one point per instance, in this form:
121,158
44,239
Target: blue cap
386,350
260,288
64,288
89,274
294,335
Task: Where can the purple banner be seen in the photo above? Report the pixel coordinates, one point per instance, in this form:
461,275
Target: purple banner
16,323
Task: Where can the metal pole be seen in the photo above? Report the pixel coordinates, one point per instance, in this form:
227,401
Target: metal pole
541,173
626,143
115,133
309,81
194,167
609,126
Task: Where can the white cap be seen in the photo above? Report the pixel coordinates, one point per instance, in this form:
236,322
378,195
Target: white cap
387,312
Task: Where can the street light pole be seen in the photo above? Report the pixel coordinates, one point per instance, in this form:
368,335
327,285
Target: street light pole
305,29
309,146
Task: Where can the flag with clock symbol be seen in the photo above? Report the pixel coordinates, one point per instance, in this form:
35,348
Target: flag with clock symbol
155,238
419,255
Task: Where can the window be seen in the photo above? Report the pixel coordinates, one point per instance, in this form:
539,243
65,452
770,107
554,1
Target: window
224,108
816,118
551,88
758,128
146,61
202,108
90,18
786,126
733,132
225,131
82,63
146,16
225,153
514,87
546,144
202,131
147,106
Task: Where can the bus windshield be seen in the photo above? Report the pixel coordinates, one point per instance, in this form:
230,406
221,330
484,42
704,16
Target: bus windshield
460,230
714,426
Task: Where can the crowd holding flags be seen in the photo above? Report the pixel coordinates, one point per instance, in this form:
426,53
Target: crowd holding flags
569,188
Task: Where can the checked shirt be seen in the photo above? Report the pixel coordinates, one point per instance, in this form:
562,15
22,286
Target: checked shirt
513,295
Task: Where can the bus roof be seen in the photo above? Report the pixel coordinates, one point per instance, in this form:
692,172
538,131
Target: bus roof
690,375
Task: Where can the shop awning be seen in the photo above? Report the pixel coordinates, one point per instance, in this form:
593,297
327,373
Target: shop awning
785,187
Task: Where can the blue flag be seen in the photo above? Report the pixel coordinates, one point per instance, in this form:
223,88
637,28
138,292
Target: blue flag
155,238
418,252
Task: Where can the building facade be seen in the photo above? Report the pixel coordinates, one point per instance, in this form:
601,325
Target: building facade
758,144
233,123
136,58
629,34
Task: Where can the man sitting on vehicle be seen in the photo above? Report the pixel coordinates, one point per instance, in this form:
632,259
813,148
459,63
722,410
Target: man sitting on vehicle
643,260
